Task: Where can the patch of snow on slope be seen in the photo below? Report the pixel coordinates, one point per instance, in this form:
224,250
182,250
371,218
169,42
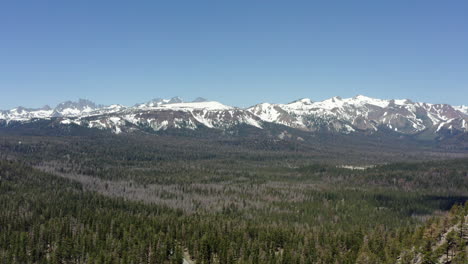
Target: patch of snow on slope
131,118
159,126
97,124
201,118
66,122
433,118
265,111
462,108
349,129
250,121
442,124
115,119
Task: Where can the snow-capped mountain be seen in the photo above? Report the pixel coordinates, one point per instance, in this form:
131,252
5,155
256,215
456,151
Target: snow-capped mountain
167,115
363,113
69,108
25,114
343,115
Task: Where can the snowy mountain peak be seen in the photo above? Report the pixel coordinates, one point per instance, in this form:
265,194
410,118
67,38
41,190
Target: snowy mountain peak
205,105
82,104
362,100
70,108
336,114
158,102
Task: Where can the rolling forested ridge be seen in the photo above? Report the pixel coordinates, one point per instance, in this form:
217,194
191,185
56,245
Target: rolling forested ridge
103,198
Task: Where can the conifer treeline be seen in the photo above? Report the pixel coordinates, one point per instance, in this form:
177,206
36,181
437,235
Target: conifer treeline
161,199
48,219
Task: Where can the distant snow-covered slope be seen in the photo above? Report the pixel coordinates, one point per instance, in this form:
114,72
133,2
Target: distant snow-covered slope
344,115
363,113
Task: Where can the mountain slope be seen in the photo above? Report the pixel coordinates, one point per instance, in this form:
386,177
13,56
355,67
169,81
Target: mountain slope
359,114
364,114
441,240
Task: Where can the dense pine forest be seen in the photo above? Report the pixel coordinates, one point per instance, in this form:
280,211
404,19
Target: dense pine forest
169,199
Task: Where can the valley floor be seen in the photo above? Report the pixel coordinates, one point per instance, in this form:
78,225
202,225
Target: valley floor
84,200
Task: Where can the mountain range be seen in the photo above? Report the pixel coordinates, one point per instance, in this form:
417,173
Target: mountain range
359,114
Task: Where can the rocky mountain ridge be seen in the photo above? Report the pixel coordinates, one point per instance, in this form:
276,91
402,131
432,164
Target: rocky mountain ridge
342,115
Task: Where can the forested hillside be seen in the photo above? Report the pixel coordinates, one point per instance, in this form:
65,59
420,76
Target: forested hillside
440,240
92,199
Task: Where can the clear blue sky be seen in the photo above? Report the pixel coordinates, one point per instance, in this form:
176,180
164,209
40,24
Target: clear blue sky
237,52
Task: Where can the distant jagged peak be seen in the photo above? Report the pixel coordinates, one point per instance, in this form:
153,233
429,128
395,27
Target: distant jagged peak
175,100
20,109
72,109
156,102
153,103
199,99
360,112
46,108
81,104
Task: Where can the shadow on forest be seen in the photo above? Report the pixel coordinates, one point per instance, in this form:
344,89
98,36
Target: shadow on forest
419,204
446,202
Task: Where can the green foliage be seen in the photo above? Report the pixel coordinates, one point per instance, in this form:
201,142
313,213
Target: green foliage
130,200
